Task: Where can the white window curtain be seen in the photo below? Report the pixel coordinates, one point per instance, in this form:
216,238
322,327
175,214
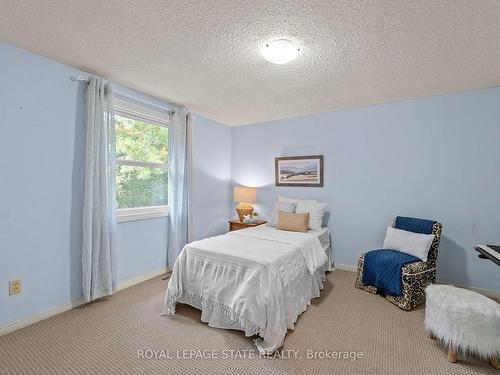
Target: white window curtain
177,184
99,217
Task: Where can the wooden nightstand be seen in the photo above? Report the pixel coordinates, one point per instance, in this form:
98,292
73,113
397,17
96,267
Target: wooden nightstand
236,224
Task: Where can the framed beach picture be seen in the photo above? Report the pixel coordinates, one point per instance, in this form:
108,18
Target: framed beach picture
299,171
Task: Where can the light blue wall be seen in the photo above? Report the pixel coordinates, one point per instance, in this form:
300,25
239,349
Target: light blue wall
211,177
436,157
41,159
142,247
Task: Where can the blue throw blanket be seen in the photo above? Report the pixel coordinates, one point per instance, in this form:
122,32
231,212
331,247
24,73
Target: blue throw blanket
382,269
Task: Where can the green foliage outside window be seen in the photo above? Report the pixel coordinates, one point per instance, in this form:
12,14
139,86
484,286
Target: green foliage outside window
141,186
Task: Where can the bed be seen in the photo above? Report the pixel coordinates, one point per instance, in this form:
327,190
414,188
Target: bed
258,280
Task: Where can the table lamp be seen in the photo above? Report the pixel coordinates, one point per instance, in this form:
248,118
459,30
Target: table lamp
244,196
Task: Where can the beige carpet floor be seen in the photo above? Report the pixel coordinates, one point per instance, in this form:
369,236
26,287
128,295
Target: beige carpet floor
106,337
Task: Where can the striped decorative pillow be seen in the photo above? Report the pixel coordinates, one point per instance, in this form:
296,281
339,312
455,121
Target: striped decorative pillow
316,211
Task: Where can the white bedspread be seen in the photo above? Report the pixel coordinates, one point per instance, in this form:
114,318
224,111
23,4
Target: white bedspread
258,280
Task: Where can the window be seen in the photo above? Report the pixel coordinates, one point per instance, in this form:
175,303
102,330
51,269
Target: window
141,161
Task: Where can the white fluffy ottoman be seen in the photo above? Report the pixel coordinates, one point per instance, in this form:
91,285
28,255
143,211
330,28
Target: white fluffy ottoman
464,320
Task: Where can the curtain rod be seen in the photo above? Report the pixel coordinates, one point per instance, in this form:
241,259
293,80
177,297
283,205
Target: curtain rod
127,96
79,78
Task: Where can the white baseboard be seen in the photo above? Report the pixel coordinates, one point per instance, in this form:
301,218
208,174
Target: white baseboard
345,267
493,294
141,279
11,327
486,292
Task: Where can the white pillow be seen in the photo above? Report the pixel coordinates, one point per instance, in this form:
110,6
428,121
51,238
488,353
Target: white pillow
280,206
411,243
316,211
294,200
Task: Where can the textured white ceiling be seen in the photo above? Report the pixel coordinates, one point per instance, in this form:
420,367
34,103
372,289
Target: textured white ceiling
205,54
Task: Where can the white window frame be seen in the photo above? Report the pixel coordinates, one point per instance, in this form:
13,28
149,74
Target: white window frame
160,117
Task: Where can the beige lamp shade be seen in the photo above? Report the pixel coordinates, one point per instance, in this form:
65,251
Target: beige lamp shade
244,196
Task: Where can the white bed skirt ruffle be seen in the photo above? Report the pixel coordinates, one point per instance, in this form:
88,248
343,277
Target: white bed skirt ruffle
298,296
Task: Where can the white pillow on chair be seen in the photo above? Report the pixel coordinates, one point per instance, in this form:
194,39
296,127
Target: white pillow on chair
315,210
411,243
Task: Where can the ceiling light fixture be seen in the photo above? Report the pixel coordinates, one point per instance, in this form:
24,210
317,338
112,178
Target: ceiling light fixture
280,51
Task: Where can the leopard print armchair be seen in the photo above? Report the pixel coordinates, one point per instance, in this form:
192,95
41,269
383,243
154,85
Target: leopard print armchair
416,276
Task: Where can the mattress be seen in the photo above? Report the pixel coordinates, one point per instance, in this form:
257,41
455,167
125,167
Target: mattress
324,238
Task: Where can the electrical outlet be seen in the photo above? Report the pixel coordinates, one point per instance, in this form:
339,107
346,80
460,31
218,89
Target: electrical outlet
15,286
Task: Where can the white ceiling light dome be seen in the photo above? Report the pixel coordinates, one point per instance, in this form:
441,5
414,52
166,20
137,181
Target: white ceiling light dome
280,51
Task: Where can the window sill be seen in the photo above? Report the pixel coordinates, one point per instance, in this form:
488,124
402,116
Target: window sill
140,213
